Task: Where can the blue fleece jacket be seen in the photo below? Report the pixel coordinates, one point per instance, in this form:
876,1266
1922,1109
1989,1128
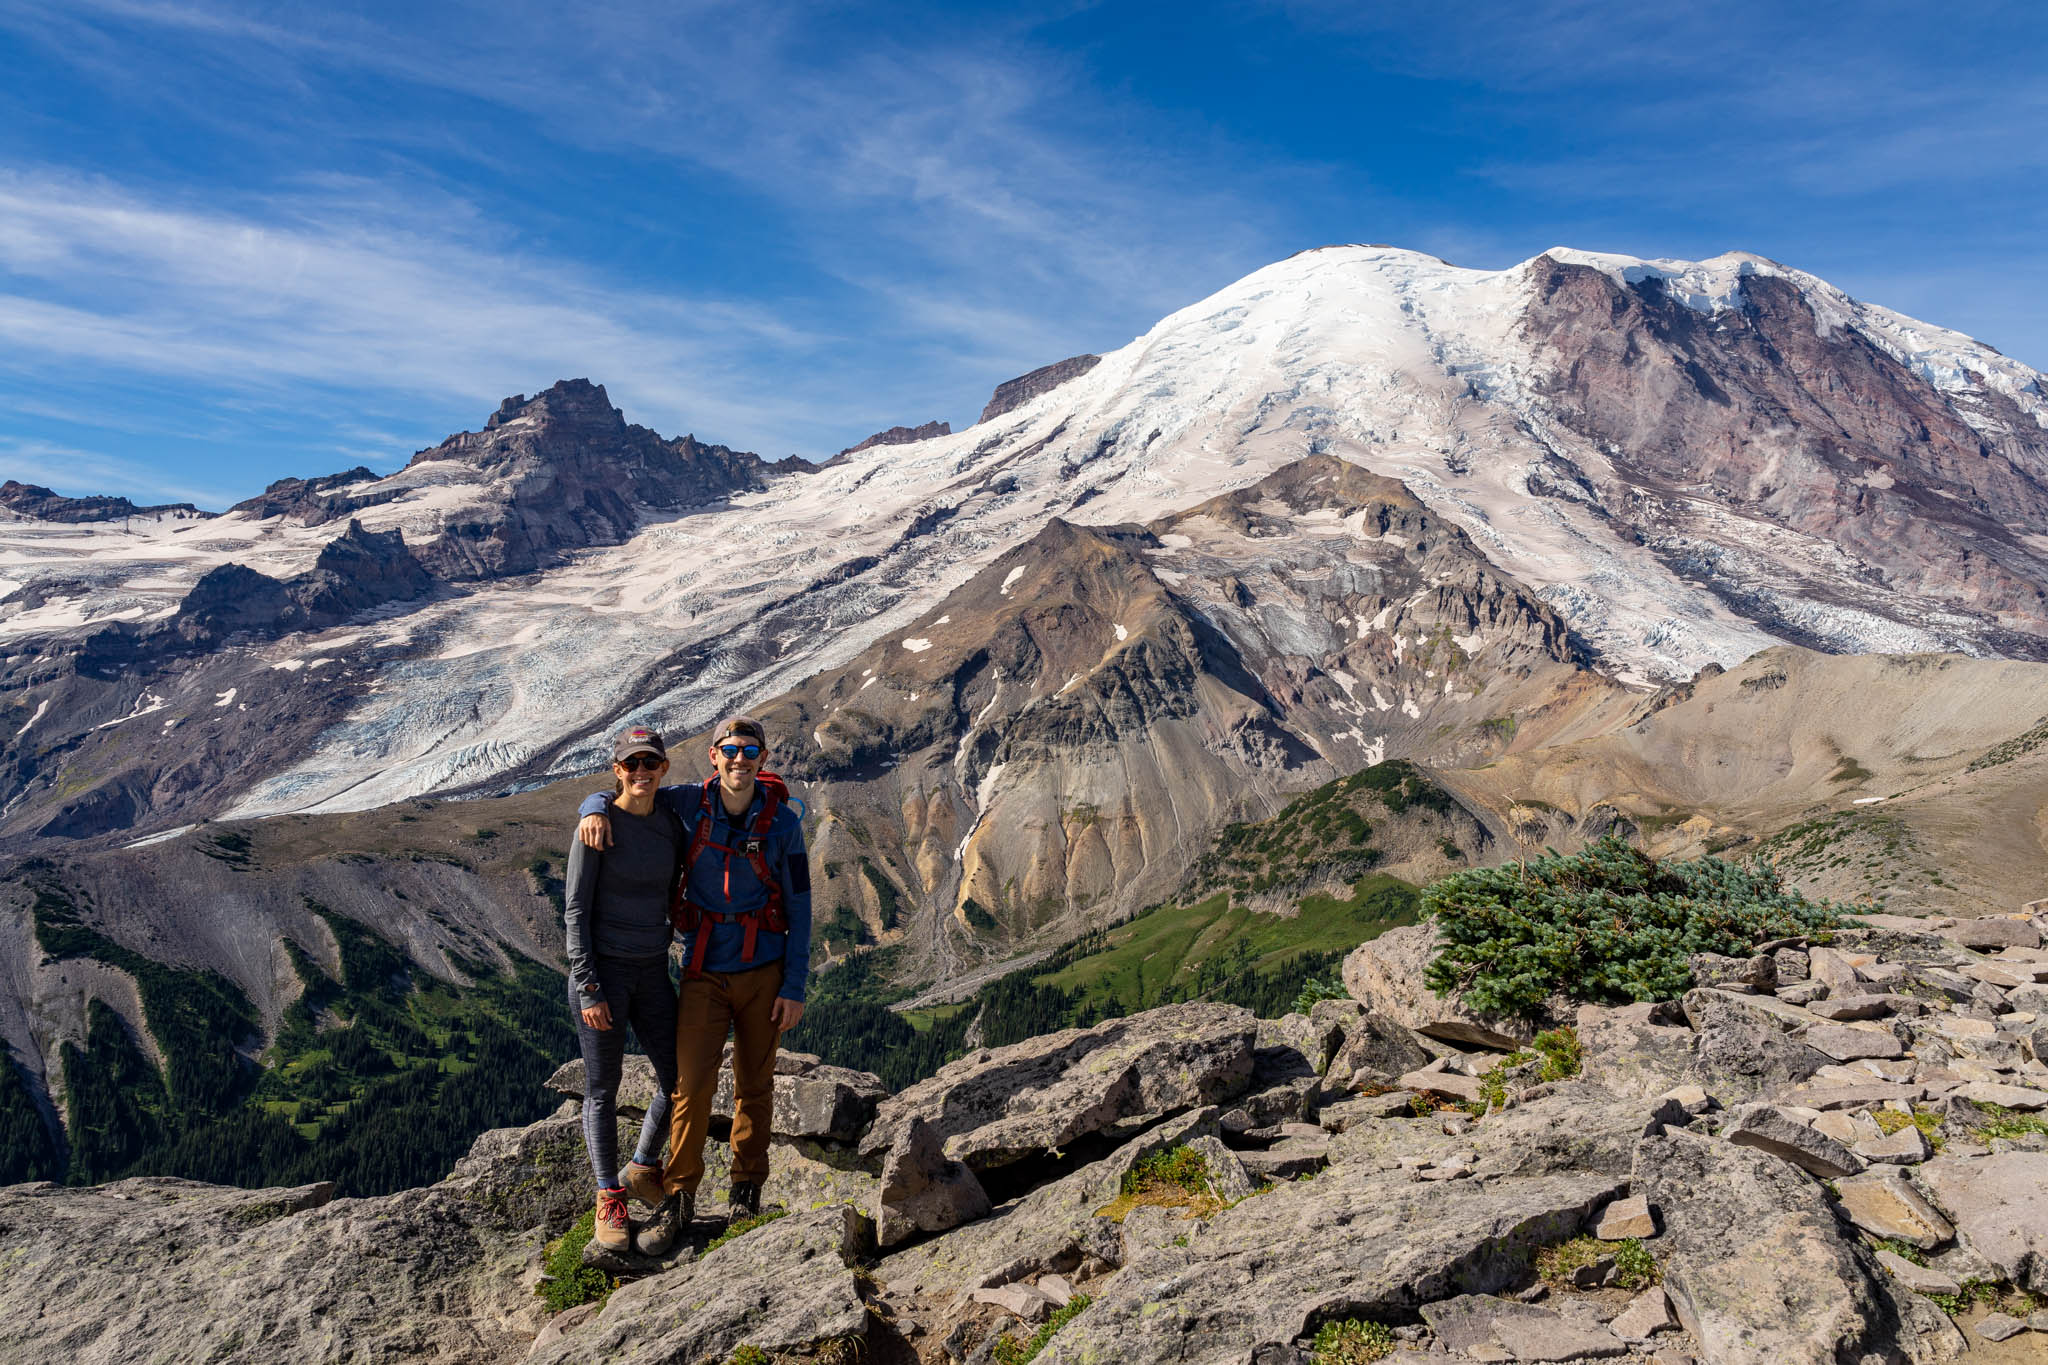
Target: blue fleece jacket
726,885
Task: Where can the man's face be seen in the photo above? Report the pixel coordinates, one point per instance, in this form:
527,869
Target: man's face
733,763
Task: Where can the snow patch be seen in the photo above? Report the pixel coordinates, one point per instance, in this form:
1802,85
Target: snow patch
40,710
917,646
1122,634
1870,800
162,838
225,697
1175,541
144,705
1011,577
1381,702
289,665
1410,709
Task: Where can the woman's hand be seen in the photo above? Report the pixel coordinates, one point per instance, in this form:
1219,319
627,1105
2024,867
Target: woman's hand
785,1013
599,1016
595,831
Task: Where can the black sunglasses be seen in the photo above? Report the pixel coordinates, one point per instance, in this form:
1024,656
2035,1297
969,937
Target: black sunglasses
735,750
633,763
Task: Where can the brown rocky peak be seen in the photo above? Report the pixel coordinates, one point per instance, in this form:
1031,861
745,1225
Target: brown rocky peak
901,436
1015,393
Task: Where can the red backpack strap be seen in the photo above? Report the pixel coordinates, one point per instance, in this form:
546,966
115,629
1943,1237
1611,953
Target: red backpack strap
682,914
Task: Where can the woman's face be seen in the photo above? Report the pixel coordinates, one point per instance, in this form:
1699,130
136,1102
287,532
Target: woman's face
639,779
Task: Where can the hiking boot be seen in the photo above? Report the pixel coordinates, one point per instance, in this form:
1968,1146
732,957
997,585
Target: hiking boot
614,1230
657,1236
743,1200
643,1183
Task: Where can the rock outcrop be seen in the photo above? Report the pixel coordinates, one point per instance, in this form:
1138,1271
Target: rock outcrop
37,502
899,436
1015,393
1730,1219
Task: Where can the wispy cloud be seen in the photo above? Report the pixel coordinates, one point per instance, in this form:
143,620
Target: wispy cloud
33,461
320,289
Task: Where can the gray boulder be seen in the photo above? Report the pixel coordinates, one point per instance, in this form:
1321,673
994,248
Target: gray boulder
924,1190
788,1286
1640,1050
813,1099
998,1105
1351,1243
1385,975
1993,933
1742,1047
1999,1206
1758,1269
1055,1227
1769,1129
1374,1051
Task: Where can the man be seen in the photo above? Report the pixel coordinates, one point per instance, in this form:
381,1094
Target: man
747,950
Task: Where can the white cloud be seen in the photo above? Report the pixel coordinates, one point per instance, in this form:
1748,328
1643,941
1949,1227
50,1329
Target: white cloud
50,464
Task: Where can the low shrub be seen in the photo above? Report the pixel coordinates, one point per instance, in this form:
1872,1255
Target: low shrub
1353,1341
1609,924
1177,1178
1315,990
1010,1351
743,1227
1634,1266
567,1281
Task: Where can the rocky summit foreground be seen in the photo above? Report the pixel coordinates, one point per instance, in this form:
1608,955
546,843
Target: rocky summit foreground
1826,1152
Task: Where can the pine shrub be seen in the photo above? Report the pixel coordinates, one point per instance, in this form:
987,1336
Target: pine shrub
1609,925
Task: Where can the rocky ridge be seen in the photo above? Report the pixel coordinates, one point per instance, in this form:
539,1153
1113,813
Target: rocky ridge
1813,1157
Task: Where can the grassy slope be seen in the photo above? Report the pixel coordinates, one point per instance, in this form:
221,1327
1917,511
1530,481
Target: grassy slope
1152,957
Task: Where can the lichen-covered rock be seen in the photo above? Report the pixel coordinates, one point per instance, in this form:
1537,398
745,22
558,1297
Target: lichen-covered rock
1374,1051
207,1273
1999,1206
1641,1050
787,1286
1052,1228
1352,1242
924,1190
1743,1048
998,1105
1759,1270
1385,974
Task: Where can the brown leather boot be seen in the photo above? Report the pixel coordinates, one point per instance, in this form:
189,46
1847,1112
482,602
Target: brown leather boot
643,1183
614,1230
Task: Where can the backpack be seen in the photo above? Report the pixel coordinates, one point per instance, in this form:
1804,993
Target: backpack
688,917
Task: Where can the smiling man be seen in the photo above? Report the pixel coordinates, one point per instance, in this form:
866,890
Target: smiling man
745,918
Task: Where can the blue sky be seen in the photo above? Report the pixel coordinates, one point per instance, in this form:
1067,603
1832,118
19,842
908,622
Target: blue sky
241,240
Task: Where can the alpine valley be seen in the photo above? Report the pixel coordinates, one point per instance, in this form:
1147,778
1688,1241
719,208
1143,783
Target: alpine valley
1364,569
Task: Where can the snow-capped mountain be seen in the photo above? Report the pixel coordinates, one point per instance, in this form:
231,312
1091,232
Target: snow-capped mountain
1684,462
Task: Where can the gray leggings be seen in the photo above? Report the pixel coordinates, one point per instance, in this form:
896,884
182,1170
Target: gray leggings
640,994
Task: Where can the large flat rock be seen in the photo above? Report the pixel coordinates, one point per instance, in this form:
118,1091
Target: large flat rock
1999,1205
1353,1242
787,1286
1051,1228
1759,1270
998,1105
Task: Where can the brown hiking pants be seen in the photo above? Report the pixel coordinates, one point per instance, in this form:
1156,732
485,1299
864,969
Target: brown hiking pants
710,1005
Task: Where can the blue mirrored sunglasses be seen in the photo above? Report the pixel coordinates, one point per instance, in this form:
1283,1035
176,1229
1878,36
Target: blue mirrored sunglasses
736,750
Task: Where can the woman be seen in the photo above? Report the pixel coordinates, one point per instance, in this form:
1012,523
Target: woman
619,933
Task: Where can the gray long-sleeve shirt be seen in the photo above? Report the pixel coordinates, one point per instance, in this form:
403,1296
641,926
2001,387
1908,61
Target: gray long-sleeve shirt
617,899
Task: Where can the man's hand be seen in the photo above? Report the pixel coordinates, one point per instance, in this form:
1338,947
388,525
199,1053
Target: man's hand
595,831
599,1016
784,1014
